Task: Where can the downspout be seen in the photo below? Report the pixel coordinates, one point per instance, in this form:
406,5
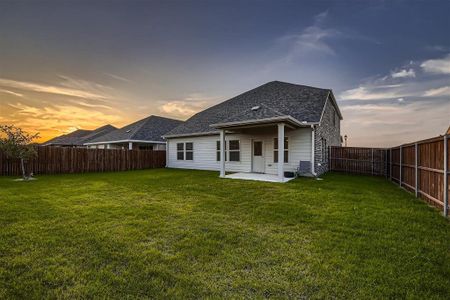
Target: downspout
313,162
167,153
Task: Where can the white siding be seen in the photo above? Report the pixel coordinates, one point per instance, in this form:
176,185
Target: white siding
205,151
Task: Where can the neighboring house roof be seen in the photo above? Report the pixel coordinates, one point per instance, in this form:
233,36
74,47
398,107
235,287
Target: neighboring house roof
79,137
448,130
149,129
275,99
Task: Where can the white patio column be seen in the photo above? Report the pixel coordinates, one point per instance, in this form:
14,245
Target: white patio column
108,146
222,153
281,152
130,146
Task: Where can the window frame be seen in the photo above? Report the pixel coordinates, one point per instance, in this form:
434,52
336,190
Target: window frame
180,151
228,150
184,151
190,151
238,150
286,150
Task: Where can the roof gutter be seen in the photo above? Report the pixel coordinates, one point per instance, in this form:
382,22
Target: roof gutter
190,134
286,118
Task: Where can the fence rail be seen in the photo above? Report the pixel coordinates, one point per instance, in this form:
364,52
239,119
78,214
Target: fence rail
55,160
421,167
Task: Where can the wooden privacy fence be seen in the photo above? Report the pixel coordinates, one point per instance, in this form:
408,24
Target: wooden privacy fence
371,161
421,167
55,160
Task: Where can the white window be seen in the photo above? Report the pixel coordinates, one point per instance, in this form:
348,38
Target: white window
185,151
286,150
180,151
232,150
189,151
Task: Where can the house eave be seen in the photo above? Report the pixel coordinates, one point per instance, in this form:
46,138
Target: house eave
287,119
190,134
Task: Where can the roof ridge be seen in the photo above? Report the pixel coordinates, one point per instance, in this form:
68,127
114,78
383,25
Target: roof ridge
162,117
302,85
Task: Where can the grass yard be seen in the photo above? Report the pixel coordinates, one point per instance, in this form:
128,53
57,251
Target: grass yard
188,234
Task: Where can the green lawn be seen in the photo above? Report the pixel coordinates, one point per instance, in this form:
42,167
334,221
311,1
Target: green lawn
188,234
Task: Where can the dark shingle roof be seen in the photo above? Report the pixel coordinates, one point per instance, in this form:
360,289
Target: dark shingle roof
275,99
257,112
149,129
101,131
79,137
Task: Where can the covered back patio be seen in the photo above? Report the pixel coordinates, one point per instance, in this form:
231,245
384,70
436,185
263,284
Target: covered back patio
276,127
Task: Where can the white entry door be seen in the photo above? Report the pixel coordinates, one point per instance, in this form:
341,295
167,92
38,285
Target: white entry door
258,161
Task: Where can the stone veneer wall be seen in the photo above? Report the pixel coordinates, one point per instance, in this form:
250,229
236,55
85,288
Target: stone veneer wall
330,130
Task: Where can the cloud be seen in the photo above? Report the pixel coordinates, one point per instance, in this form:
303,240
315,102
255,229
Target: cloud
413,83
438,48
383,113
313,39
371,107
11,93
188,106
56,108
394,124
442,91
69,87
52,120
179,108
90,105
117,77
374,92
404,73
437,66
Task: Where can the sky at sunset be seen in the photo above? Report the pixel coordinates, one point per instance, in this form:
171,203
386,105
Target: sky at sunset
82,64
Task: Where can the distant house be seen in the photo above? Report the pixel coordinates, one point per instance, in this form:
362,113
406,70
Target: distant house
79,137
275,128
143,134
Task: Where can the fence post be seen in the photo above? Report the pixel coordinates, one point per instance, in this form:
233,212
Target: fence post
390,164
329,158
400,171
445,175
385,163
372,161
416,168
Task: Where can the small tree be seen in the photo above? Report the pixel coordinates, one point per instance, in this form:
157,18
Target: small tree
16,143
